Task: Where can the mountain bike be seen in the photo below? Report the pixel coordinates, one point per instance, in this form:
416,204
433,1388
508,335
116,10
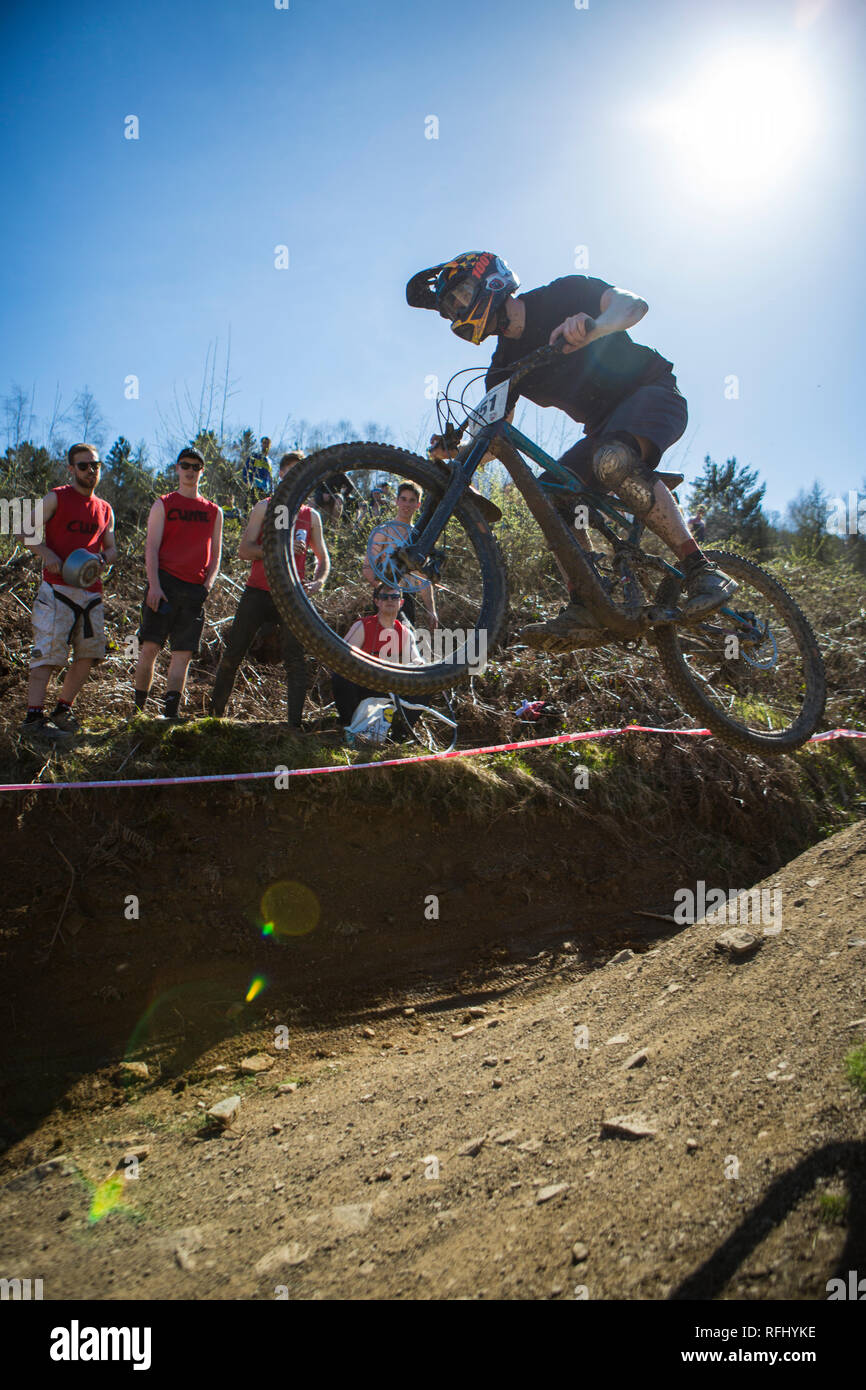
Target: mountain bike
751,671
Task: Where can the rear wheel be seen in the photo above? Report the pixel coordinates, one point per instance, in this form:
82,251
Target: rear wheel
466,572
751,671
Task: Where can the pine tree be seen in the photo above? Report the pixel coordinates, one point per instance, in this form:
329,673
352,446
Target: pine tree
731,498
807,518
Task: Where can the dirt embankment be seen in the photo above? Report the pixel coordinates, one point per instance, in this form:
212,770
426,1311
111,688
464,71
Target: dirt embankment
441,1127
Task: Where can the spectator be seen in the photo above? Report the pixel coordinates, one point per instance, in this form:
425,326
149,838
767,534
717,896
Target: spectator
182,557
380,498
332,495
258,474
379,634
257,608
287,460
697,525
408,502
73,518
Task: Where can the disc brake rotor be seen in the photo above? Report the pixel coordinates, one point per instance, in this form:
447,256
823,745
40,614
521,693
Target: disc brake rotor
384,554
760,650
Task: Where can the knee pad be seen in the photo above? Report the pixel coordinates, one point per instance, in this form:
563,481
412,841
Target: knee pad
617,465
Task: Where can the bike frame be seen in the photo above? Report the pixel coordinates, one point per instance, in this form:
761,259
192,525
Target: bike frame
509,445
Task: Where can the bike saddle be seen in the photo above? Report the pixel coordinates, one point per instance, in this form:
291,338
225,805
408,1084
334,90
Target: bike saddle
671,480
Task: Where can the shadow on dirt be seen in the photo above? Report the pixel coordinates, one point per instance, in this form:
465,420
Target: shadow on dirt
843,1160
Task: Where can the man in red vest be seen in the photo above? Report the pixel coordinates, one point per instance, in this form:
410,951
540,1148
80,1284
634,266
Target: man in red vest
182,556
73,518
257,608
380,634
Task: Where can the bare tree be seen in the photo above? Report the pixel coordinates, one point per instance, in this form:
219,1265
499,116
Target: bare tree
18,409
187,418
87,418
56,420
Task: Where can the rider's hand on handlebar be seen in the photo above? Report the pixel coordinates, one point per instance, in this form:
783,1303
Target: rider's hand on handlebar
444,446
577,331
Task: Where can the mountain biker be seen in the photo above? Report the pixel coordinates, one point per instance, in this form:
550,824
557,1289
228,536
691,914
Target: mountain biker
625,395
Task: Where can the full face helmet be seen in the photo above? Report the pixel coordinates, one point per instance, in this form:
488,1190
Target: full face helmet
470,291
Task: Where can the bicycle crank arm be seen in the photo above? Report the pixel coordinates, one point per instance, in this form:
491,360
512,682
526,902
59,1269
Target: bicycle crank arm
657,616
565,547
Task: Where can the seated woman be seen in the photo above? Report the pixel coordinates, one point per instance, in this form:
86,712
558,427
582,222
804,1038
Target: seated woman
380,634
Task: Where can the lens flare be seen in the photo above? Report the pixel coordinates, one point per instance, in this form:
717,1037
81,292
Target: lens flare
163,1016
258,984
108,1196
289,909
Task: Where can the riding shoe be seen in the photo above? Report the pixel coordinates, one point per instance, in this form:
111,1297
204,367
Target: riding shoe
64,720
573,627
707,588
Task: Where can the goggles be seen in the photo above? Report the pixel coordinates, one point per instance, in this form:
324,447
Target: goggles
457,298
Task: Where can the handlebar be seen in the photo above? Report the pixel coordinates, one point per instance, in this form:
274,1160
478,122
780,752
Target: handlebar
541,355
522,368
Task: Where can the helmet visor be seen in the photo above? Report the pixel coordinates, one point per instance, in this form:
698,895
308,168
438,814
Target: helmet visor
457,298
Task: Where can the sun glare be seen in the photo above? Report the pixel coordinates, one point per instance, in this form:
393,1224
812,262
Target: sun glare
740,125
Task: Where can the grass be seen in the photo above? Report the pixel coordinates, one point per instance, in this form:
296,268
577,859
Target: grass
744,811
855,1068
833,1208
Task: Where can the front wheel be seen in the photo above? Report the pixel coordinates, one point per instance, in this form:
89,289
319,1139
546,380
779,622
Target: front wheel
465,575
752,671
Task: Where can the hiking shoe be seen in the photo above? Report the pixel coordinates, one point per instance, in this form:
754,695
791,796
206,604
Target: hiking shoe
36,726
707,588
33,724
64,720
574,626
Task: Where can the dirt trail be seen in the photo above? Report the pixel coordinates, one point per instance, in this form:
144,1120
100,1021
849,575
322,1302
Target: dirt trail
443,1137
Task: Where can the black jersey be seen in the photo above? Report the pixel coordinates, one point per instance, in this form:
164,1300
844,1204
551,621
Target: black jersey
586,384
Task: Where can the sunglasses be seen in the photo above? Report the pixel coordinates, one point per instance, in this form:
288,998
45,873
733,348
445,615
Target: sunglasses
195,467
87,467
383,597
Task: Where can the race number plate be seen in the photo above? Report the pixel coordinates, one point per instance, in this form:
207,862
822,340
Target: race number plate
489,409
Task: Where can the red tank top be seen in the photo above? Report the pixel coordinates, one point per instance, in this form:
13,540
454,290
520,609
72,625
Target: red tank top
301,537
187,536
78,524
377,637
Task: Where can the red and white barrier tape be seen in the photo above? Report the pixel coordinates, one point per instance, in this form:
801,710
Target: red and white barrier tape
389,762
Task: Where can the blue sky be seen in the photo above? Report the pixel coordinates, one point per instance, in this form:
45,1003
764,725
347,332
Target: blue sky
558,128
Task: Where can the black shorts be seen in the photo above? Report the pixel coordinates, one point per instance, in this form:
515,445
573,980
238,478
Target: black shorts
182,622
657,411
